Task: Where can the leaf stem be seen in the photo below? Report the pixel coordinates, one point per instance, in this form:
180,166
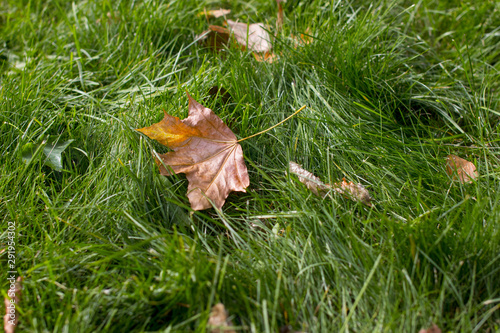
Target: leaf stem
270,128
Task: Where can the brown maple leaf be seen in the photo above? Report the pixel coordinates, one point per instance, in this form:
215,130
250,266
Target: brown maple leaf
206,150
462,169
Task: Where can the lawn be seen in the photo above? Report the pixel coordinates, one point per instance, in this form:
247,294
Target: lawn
391,88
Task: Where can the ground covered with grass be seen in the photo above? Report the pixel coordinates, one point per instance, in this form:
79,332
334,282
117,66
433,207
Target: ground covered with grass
391,88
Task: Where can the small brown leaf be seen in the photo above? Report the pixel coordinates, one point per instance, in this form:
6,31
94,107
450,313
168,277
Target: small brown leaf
355,192
214,13
206,150
218,321
253,36
266,57
11,302
433,329
462,169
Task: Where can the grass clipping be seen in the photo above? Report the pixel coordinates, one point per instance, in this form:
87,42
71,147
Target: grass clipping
356,192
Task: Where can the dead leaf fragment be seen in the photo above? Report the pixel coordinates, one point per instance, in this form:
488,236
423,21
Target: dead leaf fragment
356,192
304,39
433,329
266,57
462,169
206,150
218,321
253,36
11,302
215,13
312,182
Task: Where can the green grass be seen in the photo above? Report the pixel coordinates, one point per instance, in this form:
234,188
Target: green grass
391,88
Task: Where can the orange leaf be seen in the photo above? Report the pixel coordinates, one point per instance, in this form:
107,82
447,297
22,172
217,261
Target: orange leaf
462,169
206,150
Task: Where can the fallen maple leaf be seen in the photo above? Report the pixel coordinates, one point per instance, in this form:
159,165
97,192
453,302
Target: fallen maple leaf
11,302
462,169
433,329
206,150
354,191
215,13
253,36
218,321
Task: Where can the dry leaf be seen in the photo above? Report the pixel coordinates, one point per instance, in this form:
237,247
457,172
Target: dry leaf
253,36
11,302
303,40
354,191
312,182
215,13
206,150
433,329
216,38
218,321
465,170
266,57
